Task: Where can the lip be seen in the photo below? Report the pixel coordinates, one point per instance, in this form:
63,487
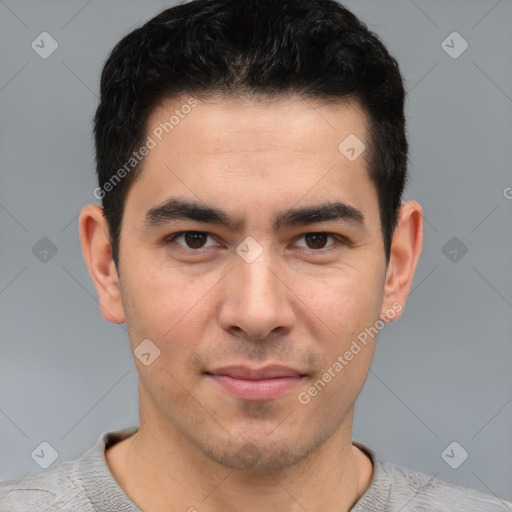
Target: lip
266,372
256,383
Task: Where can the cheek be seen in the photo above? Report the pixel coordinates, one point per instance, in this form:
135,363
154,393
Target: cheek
345,303
162,298
346,307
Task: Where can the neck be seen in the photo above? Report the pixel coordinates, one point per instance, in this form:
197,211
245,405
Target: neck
160,470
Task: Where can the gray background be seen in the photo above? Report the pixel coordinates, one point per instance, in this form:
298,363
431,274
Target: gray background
440,374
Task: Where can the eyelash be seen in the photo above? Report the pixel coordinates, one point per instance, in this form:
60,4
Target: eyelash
338,241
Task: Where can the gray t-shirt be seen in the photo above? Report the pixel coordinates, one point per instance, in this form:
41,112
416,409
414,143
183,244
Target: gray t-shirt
87,485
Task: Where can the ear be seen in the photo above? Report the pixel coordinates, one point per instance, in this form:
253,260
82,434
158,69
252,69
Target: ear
404,255
97,251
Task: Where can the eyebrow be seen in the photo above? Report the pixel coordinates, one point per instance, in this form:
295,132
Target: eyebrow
180,209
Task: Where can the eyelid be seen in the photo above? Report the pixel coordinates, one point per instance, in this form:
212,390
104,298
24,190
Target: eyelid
339,240
172,237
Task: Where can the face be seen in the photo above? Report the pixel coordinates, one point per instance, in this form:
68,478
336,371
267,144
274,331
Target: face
257,282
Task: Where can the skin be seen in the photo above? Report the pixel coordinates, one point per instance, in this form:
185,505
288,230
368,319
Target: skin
197,445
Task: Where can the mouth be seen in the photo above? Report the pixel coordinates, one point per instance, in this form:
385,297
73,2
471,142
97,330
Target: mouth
256,384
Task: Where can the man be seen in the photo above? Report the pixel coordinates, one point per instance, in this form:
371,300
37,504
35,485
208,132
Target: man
251,160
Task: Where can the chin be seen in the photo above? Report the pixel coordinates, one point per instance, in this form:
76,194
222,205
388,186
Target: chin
257,452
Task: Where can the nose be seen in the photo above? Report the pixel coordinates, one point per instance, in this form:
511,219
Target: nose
257,299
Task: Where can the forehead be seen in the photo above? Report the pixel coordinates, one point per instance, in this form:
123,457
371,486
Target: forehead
220,123
255,153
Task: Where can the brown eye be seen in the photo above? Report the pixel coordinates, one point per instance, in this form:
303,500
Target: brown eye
195,239
316,240
191,239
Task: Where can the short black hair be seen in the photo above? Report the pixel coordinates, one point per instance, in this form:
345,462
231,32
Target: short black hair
313,48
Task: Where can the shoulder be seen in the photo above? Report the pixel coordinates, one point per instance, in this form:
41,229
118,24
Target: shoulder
84,484
395,488
57,489
416,491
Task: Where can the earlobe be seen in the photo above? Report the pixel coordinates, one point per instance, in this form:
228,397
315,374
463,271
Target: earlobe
405,251
97,253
